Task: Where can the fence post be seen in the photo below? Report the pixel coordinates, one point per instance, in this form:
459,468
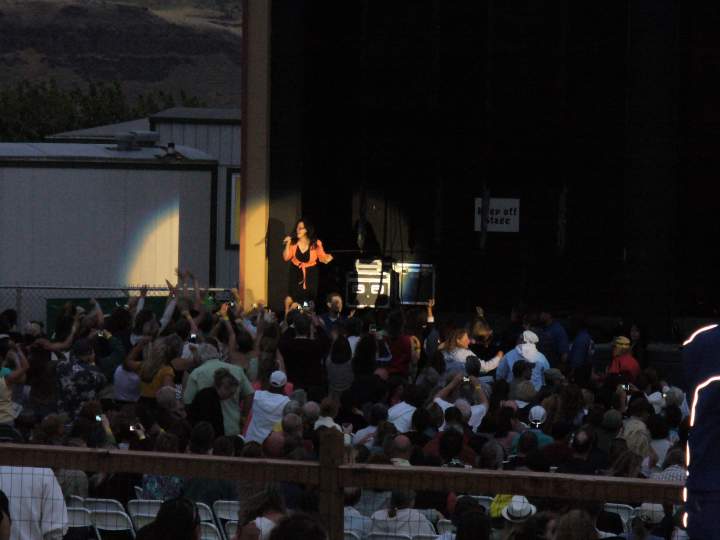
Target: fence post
332,504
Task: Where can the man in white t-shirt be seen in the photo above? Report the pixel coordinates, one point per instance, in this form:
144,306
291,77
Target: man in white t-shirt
267,408
400,416
472,401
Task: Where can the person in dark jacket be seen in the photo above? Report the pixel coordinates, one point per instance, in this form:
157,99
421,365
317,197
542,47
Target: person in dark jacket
177,518
206,407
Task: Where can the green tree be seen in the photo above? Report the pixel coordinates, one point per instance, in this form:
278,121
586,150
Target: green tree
30,111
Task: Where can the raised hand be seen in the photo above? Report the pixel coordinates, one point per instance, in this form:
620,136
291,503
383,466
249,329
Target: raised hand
171,288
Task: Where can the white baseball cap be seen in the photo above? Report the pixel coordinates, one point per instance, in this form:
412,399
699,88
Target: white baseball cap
278,379
537,415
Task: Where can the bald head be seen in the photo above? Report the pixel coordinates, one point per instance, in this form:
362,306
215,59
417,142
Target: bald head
274,445
402,447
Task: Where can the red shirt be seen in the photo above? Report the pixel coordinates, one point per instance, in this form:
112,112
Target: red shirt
625,363
401,351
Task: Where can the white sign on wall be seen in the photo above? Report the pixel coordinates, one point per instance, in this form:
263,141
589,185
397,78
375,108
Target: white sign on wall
504,215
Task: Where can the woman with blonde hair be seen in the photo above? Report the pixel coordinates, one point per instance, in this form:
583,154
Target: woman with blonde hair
484,343
627,465
155,371
456,351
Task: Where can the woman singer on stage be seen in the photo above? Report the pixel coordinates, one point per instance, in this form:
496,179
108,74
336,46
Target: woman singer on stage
304,250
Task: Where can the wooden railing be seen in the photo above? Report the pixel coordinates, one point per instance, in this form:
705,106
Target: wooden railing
331,475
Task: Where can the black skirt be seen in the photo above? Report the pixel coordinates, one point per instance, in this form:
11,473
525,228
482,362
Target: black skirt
295,286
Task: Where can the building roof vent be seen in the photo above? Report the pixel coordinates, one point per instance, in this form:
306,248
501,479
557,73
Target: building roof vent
134,140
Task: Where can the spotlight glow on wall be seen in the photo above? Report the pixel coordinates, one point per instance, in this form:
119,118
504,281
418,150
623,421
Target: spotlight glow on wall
154,255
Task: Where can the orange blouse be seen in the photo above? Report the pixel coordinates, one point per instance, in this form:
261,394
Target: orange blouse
317,253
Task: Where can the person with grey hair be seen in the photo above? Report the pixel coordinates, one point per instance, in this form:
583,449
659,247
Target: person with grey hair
203,377
401,518
292,407
311,413
675,396
207,404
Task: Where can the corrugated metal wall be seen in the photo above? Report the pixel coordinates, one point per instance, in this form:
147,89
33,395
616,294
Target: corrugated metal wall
102,226
221,141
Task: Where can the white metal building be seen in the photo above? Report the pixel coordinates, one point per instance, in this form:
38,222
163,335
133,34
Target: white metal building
217,132
100,215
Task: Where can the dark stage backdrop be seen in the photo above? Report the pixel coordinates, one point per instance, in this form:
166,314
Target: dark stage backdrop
597,116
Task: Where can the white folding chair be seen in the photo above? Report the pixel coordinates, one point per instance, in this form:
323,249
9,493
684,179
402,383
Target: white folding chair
445,525
79,517
80,524
111,521
106,505
205,513
146,507
388,536
485,502
208,531
625,512
138,492
74,501
231,528
349,535
226,510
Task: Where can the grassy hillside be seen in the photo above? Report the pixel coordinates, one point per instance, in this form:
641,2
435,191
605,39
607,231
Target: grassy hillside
171,45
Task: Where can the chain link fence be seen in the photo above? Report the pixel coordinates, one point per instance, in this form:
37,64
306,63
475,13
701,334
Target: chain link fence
43,303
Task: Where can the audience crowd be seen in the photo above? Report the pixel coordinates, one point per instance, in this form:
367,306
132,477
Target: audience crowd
404,388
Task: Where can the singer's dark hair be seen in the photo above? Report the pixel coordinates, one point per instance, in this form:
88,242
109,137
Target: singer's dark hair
310,231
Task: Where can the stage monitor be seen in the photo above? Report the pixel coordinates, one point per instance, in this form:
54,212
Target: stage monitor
369,285
416,283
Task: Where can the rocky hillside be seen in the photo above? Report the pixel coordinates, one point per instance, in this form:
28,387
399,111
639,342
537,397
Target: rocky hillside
173,45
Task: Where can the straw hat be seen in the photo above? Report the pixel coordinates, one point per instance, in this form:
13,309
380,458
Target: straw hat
518,510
